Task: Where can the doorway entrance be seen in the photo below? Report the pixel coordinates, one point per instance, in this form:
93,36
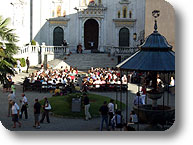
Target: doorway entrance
58,37
91,34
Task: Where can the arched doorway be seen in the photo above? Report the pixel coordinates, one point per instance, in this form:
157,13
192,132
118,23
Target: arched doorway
58,36
124,37
91,34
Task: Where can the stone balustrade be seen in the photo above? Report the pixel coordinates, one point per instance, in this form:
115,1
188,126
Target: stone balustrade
36,53
123,50
43,49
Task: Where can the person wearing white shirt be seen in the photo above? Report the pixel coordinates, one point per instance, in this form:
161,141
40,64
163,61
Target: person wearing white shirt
15,114
24,106
111,107
97,83
112,82
124,80
172,86
117,120
137,100
133,117
118,82
19,66
172,82
11,97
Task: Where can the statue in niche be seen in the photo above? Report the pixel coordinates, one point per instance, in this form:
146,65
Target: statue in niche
59,11
84,3
64,13
100,3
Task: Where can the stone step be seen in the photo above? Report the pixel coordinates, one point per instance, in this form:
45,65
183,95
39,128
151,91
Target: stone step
85,61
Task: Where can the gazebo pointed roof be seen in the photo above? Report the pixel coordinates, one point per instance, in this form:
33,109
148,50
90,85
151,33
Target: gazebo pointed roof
154,55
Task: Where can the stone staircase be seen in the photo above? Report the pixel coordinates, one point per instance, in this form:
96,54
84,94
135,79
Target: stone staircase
85,61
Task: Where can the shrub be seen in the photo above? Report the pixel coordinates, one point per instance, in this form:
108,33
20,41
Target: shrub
22,60
23,64
33,42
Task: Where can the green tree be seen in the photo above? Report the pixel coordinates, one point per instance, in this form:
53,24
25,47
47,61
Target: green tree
8,48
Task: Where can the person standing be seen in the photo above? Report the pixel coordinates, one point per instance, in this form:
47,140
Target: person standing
133,117
64,43
117,120
46,109
24,107
15,114
37,107
111,110
79,48
13,89
28,64
11,97
19,66
86,107
138,100
104,115
143,95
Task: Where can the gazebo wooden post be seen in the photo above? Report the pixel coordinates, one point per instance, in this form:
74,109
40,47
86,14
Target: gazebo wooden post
116,100
138,110
164,101
121,90
127,100
168,91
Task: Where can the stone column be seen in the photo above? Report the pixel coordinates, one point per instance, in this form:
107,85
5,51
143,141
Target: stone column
101,35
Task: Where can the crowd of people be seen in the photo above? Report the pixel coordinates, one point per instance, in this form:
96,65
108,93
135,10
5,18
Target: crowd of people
64,80
111,79
16,110
101,78
60,81
114,119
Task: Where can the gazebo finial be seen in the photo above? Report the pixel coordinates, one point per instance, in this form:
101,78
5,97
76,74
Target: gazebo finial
155,14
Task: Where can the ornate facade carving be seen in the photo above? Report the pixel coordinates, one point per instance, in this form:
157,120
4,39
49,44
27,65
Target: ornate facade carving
58,21
124,2
124,22
93,10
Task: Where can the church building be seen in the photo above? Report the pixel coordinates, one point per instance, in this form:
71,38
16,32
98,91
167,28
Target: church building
95,24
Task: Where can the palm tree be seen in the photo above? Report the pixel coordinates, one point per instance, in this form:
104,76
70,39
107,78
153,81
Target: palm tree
7,49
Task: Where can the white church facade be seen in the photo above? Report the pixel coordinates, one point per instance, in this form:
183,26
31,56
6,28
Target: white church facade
96,24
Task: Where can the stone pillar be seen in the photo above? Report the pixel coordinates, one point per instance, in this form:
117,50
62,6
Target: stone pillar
45,61
101,36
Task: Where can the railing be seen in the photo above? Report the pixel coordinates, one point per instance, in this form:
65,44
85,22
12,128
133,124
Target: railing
61,50
29,49
54,49
123,50
43,49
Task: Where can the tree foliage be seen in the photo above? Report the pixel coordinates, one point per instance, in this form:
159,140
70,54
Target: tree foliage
8,48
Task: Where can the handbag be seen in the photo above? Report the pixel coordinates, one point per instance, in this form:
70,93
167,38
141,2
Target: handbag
48,107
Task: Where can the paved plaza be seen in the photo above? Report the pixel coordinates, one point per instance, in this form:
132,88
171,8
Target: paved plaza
58,124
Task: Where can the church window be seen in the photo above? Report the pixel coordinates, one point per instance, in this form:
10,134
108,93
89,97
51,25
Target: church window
119,14
124,12
130,14
53,13
58,36
124,37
